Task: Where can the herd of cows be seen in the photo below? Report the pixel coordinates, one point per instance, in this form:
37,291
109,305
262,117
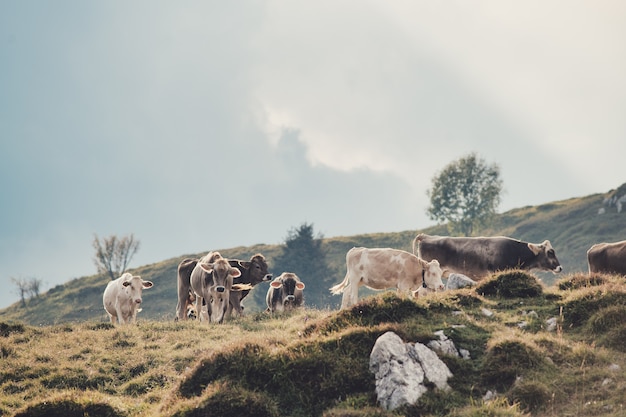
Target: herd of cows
212,288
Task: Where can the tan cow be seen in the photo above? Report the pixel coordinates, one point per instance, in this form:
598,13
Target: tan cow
381,268
122,298
609,258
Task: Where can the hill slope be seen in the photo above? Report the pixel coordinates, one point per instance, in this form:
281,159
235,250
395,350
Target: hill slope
571,225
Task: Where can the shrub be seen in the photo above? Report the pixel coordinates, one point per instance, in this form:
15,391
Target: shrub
7,329
511,284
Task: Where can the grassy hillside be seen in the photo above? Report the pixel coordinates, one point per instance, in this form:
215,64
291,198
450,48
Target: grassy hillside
315,362
571,225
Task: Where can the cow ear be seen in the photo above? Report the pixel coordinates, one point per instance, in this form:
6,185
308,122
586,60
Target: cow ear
300,285
536,249
206,267
147,284
276,284
234,272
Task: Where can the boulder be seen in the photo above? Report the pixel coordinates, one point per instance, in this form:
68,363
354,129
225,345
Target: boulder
403,369
456,281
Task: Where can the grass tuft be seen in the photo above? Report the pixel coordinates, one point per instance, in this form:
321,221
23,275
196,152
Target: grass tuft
511,284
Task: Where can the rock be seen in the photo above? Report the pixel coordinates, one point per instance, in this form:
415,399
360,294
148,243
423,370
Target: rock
551,324
456,281
486,312
402,370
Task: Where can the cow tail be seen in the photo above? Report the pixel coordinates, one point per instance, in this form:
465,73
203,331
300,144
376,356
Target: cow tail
416,241
338,289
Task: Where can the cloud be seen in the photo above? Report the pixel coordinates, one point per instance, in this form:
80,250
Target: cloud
204,126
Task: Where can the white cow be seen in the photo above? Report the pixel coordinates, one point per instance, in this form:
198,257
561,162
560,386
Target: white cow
382,268
122,298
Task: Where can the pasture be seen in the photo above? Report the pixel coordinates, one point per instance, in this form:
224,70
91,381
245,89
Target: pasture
315,362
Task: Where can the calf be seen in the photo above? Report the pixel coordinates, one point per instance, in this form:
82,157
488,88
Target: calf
476,257
609,258
285,293
382,268
212,282
122,298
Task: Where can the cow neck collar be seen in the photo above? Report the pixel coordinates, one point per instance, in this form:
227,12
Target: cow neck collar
424,279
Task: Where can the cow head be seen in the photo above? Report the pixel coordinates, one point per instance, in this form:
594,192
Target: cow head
256,269
545,257
222,275
290,283
133,287
431,275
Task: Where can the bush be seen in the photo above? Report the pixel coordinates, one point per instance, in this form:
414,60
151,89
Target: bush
511,284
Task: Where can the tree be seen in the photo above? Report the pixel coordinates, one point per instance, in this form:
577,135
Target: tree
303,255
27,288
466,194
113,254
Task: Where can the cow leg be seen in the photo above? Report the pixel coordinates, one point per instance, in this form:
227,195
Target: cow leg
199,311
350,295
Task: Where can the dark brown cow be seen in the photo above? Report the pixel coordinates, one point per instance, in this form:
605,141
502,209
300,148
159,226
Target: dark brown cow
609,258
476,257
253,272
285,293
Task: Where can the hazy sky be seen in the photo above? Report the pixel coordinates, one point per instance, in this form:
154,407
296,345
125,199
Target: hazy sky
204,125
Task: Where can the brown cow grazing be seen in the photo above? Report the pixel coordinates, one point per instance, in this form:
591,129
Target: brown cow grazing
383,268
285,293
211,282
608,258
476,257
252,272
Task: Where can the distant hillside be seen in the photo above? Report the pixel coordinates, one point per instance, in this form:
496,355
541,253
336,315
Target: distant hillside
571,225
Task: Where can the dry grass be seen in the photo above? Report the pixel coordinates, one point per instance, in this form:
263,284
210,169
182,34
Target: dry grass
315,362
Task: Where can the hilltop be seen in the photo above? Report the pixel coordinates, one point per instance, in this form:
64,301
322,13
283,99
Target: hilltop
571,225
538,348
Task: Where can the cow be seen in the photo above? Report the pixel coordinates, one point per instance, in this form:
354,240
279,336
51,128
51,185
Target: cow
122,298
381,268
609,258
252,272
285,293
476,257
211,280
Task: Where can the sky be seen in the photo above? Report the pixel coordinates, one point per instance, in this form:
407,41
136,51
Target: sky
205,125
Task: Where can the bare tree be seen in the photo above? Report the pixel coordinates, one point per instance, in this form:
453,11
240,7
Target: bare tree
34,286
22,288
113,254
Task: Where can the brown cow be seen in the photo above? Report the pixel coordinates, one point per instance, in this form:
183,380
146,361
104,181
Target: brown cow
609,258
476,257
252,272
382,268
285,293
212,282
